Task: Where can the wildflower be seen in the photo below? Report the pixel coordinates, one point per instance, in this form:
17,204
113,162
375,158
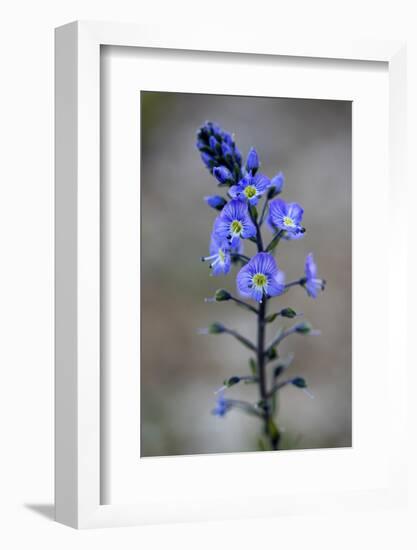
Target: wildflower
222,405
215,201
260,277
219,255
252,162
286,216
250,188
234,223
312,283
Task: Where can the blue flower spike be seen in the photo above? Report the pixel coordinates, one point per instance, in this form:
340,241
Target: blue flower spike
218,150
259,278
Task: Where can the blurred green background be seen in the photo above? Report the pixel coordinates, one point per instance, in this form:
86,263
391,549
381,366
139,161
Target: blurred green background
310,141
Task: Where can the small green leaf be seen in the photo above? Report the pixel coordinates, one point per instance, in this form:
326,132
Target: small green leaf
271,317
273,430
286,312
272,354
252,366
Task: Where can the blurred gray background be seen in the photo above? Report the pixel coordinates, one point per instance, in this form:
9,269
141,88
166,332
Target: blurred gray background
310,141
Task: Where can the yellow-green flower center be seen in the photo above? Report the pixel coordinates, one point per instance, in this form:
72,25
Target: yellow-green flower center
259,280
236,227
221,255
288,222
250,191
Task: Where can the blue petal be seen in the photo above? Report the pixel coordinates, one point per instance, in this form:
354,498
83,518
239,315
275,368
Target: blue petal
234,210
261,183
249,229
310,267
276,285
244,281
295,212
235,191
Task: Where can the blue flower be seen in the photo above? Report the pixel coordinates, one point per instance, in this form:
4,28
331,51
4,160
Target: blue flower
286,216
276,185
250,188
215,201
260,277
252,162
222,405
219,255
312,284
234,223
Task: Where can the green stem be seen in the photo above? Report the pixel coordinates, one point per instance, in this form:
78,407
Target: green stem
244,304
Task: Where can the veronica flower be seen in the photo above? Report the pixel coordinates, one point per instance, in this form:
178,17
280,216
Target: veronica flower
234,223
260,277
219,255
250,188
312,284
286,216
222,405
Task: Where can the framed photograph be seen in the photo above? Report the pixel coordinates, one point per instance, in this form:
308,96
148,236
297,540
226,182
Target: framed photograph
226,285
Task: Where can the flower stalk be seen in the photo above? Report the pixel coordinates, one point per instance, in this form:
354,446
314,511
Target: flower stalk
259,278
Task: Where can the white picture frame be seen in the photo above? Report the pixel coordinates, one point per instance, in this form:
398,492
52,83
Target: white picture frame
78,404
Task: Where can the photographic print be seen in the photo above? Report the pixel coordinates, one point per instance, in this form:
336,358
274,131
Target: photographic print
245,274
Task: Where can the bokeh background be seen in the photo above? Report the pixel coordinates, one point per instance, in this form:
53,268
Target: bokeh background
310,141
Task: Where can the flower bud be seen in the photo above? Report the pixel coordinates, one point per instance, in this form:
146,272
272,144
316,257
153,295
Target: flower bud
223,175
288,312
252,162
216,202
222,295
277,185
216,328
212,142
303,328
231,381
299,382
208,160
